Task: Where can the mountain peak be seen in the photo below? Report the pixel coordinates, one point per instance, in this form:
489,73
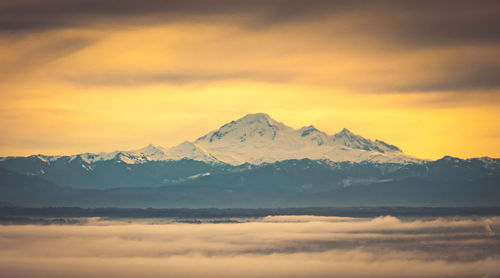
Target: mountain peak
351,140
449,158
189,150
257,138
150,150
346,134
258,119
313,134
255,116
307,130
250,126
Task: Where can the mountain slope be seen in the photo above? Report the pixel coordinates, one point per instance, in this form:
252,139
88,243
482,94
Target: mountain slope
292,183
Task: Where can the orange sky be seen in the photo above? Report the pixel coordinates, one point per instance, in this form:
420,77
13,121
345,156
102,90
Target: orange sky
93,82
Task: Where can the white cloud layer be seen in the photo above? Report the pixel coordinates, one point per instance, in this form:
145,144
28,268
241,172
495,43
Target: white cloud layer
288,246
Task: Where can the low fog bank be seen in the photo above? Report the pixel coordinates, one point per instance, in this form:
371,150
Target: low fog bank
273,246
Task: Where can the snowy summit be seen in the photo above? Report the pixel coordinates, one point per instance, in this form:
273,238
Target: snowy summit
257,138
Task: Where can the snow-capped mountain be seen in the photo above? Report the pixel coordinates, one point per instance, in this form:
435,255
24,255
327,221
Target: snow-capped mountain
286,167
256,139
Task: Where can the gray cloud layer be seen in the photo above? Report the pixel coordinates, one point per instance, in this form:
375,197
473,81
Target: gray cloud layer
388,26
290,246
177,78
409,22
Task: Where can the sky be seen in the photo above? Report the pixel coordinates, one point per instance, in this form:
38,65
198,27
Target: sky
89,76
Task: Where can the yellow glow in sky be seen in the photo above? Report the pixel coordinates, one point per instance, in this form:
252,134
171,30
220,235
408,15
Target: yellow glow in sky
95,89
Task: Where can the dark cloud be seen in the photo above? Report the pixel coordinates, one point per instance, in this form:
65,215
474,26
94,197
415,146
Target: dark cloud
411,22
461,77
42,53
176,78
56,49
417,23
383,26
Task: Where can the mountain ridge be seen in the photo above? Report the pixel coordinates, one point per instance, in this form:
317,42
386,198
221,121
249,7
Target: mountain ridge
290,183
254,161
